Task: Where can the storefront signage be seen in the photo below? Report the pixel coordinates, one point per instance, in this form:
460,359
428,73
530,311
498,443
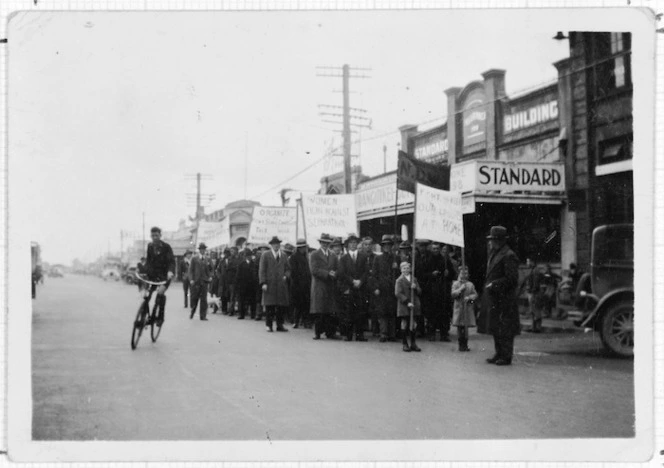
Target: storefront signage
330,214
439,215
273,221
507,177
381,198
531,116
432,148
474,118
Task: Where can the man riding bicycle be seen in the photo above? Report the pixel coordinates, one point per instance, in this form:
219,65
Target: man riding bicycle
160,266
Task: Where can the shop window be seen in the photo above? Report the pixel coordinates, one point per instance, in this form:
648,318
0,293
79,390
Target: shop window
612,64
615,149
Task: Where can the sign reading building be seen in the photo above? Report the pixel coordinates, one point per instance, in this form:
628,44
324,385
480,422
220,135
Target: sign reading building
507,177
530,117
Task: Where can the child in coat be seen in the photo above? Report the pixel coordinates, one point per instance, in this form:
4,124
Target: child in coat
464,295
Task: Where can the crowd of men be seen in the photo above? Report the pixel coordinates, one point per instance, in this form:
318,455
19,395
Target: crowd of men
345,288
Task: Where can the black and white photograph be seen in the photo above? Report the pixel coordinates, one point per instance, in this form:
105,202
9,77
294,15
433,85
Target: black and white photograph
331,235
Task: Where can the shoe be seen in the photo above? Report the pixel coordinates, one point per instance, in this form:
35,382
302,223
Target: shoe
432,338
240,318
296,326
204,319
392,340
160,322
282,329
317,337
361,338
382,339
333,337
415,348
348,338
269,329
503,362
191,316
445,339
413,342
492,360
406,348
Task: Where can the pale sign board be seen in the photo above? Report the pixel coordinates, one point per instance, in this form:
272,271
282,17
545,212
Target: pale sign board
507,177
331,214
380,198
214,235
439,215
268,221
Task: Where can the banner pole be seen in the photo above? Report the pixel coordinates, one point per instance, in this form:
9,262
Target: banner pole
297,217
304,220
396,207
412,290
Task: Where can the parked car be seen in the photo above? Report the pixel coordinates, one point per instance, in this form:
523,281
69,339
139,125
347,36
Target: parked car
111,272
606,293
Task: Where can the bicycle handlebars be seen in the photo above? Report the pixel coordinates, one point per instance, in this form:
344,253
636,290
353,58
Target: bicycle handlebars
160,283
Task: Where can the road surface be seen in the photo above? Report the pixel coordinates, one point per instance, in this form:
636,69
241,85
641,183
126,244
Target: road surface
230,379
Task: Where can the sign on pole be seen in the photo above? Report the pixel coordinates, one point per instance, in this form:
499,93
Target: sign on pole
331,214
438,215
270,221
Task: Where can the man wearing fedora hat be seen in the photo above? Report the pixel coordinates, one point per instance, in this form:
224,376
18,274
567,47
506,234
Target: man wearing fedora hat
384,275
500,288
273,277
300,285
199,274
324,265
245,285
368,249
353,274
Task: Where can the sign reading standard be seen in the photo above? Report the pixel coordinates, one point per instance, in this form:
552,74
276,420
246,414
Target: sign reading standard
507,177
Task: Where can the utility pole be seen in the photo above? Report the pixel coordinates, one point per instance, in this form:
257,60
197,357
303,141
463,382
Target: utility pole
346,115
199,198
246,156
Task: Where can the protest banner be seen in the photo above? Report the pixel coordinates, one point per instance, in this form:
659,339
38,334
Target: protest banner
214,235
330,214
270,221
438,215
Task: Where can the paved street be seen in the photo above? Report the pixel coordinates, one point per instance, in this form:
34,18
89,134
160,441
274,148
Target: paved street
229,379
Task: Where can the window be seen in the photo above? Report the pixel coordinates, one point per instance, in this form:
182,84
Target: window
611,58
615,149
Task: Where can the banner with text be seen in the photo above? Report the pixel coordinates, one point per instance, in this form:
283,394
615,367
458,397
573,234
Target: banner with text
330,214
214,234
438,215
268,221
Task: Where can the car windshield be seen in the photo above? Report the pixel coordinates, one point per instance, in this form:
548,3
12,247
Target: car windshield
614,244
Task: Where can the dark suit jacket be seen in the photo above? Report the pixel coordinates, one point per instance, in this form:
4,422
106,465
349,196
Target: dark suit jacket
199,270
350,270
499,304
246,281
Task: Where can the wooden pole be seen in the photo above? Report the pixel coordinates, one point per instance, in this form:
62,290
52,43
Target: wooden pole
396,208
412,272
304,220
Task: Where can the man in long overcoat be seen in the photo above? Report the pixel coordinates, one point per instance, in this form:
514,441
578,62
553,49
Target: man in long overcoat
200,275
384,274
500,289
300,284
323,264
273,276
353,275
440,273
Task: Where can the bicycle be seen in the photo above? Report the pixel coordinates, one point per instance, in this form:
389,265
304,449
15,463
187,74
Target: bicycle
144,318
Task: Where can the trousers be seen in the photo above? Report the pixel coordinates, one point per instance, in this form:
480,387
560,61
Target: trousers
275,312
246,302
504,345
185,288
199,294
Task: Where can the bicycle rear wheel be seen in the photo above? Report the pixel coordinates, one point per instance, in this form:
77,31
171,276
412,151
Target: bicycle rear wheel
139,324
155,327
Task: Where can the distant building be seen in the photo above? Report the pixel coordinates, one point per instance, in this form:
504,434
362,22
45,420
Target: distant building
240,213
335,184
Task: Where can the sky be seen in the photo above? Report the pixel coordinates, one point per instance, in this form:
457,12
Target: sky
111,112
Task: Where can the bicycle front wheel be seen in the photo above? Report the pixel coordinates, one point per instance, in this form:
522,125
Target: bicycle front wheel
155,325
139,324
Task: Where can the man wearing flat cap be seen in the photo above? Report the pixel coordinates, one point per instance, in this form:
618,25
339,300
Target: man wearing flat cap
500,289
324,265
273,276
353,275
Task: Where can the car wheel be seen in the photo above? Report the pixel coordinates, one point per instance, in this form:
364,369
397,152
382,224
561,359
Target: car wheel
617,328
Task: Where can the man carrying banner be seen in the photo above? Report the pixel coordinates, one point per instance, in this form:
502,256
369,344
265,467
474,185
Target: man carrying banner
501,283
353,274
384,276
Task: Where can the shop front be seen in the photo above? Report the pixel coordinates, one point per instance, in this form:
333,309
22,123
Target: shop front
526,198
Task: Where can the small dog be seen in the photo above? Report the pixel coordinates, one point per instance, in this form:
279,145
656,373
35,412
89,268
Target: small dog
214,303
